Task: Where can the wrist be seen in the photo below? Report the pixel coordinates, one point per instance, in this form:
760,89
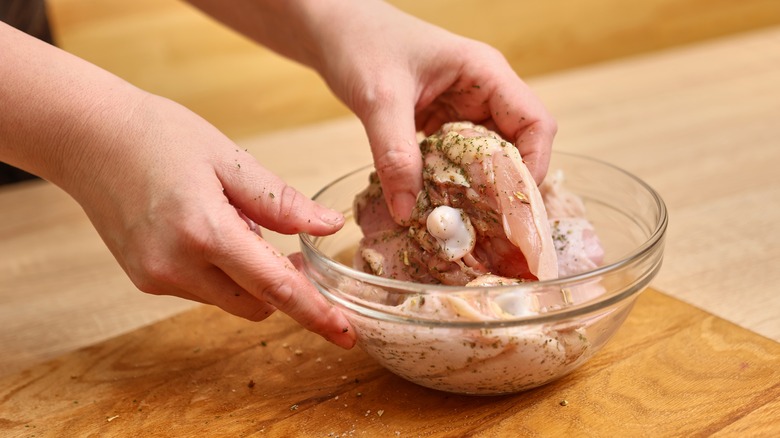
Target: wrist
98,139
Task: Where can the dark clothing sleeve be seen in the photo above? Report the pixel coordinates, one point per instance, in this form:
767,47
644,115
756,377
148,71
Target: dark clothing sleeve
29,16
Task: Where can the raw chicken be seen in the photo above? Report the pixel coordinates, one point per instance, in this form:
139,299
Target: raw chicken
479,222
576,243
479,213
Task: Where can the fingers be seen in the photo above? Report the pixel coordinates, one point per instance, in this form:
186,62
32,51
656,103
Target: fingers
535,144
389,124
254,265
207,285
220,290
220,260
271,278
507,107
267,200
216,288
490,93
522,118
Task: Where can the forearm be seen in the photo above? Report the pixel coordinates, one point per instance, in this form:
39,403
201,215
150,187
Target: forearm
58,112
307,31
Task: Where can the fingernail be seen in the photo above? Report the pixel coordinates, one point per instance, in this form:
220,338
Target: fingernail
345,340
345,337
401,205
331,217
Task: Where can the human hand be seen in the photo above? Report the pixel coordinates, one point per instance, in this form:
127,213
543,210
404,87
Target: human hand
170,198
400,75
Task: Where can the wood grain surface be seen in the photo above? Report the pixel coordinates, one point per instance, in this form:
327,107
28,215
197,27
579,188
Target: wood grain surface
168,48
672,370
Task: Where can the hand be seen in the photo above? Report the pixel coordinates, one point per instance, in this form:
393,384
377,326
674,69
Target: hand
400,74
171,202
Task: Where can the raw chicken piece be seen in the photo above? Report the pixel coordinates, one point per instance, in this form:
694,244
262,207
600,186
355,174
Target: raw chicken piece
500,360
479,212
576,243
388,250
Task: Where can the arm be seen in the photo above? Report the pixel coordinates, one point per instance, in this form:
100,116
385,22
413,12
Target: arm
161,186
399,75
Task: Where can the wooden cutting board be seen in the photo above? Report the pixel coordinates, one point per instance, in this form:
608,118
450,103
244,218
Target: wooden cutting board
672,370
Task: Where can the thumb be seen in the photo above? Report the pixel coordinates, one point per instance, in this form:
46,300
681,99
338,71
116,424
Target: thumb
270,202
391,134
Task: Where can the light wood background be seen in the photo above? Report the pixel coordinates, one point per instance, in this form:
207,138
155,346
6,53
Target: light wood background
169,48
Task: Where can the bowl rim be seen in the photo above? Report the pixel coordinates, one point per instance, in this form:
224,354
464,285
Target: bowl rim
652,243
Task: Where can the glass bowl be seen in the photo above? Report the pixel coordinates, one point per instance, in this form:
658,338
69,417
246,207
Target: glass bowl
579,314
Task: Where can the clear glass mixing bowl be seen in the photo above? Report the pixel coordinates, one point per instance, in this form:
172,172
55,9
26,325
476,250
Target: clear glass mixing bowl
498,356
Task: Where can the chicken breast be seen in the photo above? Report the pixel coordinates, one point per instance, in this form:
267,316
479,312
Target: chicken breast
479,212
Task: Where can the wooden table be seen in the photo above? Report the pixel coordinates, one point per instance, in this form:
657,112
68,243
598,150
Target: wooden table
700,124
